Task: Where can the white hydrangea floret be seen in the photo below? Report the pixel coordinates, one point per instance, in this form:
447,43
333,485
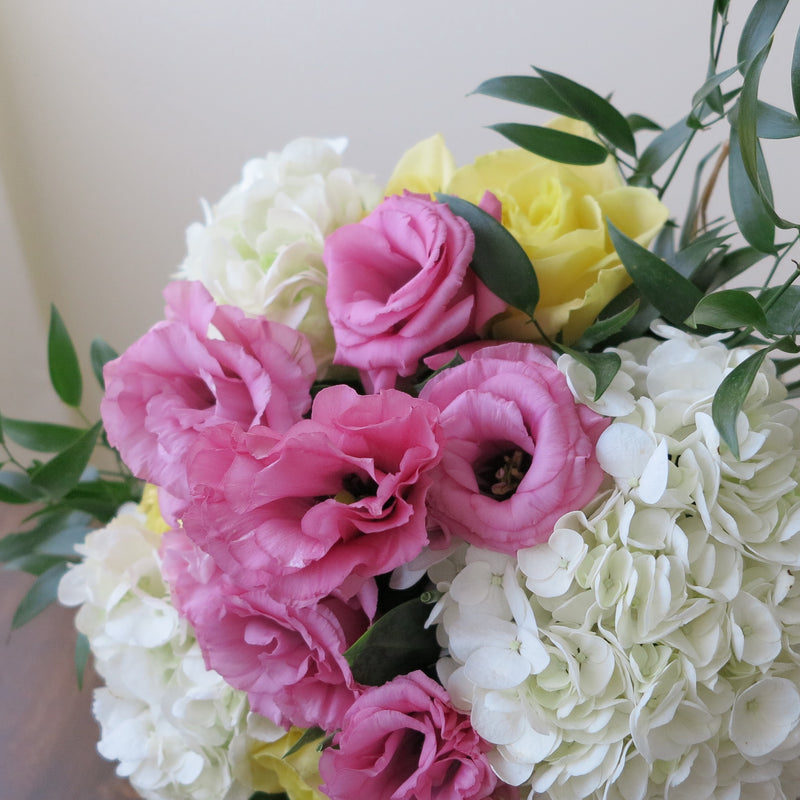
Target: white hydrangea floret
260,247
176,729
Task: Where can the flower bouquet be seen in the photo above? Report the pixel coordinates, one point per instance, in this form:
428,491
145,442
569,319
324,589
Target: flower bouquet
474,485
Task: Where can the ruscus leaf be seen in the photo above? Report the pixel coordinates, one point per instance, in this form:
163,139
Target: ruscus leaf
759,27
730,397
593,109
603,328
398,643
100,354
39,596
498,260
728,309
604,366
668,291
65,372
527,90
566,148
58,475
42,437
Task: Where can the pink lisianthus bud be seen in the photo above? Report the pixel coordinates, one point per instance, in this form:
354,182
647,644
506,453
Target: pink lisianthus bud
400,287
519,453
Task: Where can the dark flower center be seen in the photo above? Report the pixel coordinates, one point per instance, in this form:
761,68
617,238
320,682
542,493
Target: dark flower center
355,487
500,475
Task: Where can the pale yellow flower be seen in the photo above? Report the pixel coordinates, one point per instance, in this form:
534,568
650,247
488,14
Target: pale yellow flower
149,507
558,213
297,774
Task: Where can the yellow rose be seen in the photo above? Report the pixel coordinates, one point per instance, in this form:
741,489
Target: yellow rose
297,775
149,507
557,212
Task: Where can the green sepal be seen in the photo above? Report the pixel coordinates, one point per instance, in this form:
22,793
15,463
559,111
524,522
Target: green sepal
398,643
566,148
309,735
498,260
43,592
62,361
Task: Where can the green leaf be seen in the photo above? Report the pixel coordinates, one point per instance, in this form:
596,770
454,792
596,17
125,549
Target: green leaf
758,29
498,260
690,220
775,123
593,109
309,735
81,657
715,272
566,148
65,372
688,260
783,314
784,365
795,75
712,83
603,328
455,361
673,295
749,145
637,122
43,437
17,488
43,592
398,643
269,796
730,397
62,472
663,147
44,534
728,310
751,215
100,354
35,563
604,366
527,90
101,498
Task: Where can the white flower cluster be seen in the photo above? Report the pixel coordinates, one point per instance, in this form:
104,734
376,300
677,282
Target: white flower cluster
177,729
651,648
260,247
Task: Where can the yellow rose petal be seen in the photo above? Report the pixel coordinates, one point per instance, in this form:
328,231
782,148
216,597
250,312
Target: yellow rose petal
425,168
297,774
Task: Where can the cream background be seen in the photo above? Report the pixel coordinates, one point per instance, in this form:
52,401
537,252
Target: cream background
117,117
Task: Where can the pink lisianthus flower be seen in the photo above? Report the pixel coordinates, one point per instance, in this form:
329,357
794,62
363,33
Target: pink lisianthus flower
520,452
335,501
405,741
399,287
289,659
178,380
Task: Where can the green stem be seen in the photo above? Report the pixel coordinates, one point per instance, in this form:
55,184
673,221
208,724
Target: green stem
677,164
787,247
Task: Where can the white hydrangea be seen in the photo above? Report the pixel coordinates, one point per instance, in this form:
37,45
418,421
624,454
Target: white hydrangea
260,247
177,729
667,608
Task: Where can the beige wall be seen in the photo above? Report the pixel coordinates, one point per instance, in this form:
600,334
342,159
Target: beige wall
117,117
